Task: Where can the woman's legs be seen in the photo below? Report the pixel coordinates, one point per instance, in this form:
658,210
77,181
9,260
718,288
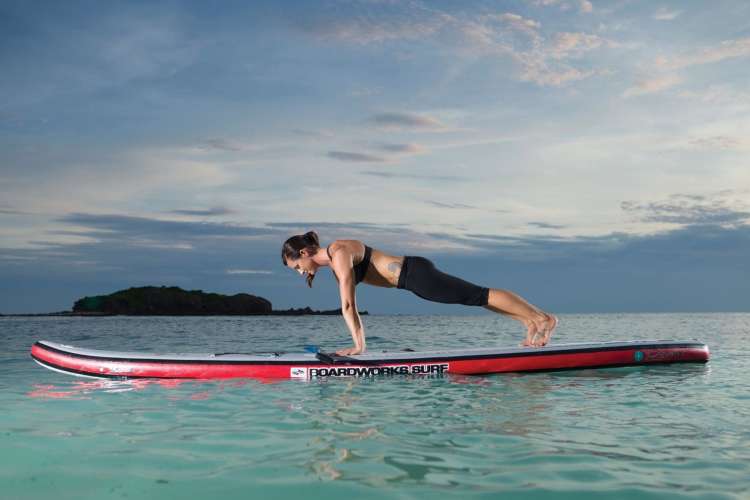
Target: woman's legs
539,324
420,276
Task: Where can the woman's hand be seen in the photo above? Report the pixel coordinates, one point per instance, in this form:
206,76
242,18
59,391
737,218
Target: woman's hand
350,351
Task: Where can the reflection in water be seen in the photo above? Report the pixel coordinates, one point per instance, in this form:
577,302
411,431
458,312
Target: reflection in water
416,430
83,390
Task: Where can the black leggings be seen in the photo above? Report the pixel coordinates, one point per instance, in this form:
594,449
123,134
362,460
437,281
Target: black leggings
421,277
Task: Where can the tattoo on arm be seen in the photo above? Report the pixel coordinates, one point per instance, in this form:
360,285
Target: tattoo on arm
394,268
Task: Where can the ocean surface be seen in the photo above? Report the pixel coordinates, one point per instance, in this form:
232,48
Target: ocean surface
670,431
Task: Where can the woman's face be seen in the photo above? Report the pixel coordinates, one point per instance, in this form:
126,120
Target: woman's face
304,265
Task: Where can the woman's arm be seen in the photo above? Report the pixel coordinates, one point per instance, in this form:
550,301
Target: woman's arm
341,263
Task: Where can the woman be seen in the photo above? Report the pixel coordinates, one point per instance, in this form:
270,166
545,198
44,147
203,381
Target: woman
353,262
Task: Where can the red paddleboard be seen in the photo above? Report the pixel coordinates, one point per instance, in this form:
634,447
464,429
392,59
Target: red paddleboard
126,365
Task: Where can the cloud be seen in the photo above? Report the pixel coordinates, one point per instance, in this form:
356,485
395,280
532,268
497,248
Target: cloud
537,71
615,271
363,23
584,6
302,225
8,210
394,150
366,91
653,85
664,14
683,209
719,94
461,206
143,229
209,212
226,145
402,121
541,58
719,142
665,68
728,49
692,242
517,23
545,225
92,181
411,149
421,177
355,157
566,45
248,271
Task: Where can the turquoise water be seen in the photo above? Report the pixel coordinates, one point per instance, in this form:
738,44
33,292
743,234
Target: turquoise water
679,431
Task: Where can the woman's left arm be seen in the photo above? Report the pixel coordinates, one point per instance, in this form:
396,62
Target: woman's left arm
341,263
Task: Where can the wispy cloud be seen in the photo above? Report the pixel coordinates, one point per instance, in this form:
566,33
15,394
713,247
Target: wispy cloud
719,94
394,151
653,85
409,149
350,156
728,49
317,134
248,271
566,45
403,175
461,206
379,22
720,142
226,145
366,92
584,6
309,225
665,14
7,210
542,58
126,226
690,210
545,225
208,212
405,121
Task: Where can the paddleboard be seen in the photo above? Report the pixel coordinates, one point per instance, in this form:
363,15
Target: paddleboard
311,365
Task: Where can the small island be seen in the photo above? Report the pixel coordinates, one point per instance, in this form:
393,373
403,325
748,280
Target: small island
174,301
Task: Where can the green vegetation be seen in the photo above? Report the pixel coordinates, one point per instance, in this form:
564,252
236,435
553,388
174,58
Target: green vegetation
151,300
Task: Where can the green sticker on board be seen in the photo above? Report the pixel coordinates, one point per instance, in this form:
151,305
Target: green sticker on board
638,355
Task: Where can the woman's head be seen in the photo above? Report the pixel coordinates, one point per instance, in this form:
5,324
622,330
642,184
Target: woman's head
297,253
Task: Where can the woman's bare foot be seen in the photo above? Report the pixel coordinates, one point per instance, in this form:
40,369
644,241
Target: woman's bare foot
545,332
531,332
539,331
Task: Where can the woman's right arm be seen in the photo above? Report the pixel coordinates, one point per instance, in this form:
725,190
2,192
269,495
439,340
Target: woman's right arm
341,263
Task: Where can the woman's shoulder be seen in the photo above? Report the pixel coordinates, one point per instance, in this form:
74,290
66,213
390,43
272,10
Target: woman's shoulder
346,243
350,246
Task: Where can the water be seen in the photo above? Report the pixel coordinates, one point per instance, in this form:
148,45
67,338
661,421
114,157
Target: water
680,431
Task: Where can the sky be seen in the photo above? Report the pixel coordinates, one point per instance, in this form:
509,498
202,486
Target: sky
592,156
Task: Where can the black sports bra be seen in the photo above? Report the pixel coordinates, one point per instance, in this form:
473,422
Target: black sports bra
359,269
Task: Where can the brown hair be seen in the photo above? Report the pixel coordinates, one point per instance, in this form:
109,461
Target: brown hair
294,245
